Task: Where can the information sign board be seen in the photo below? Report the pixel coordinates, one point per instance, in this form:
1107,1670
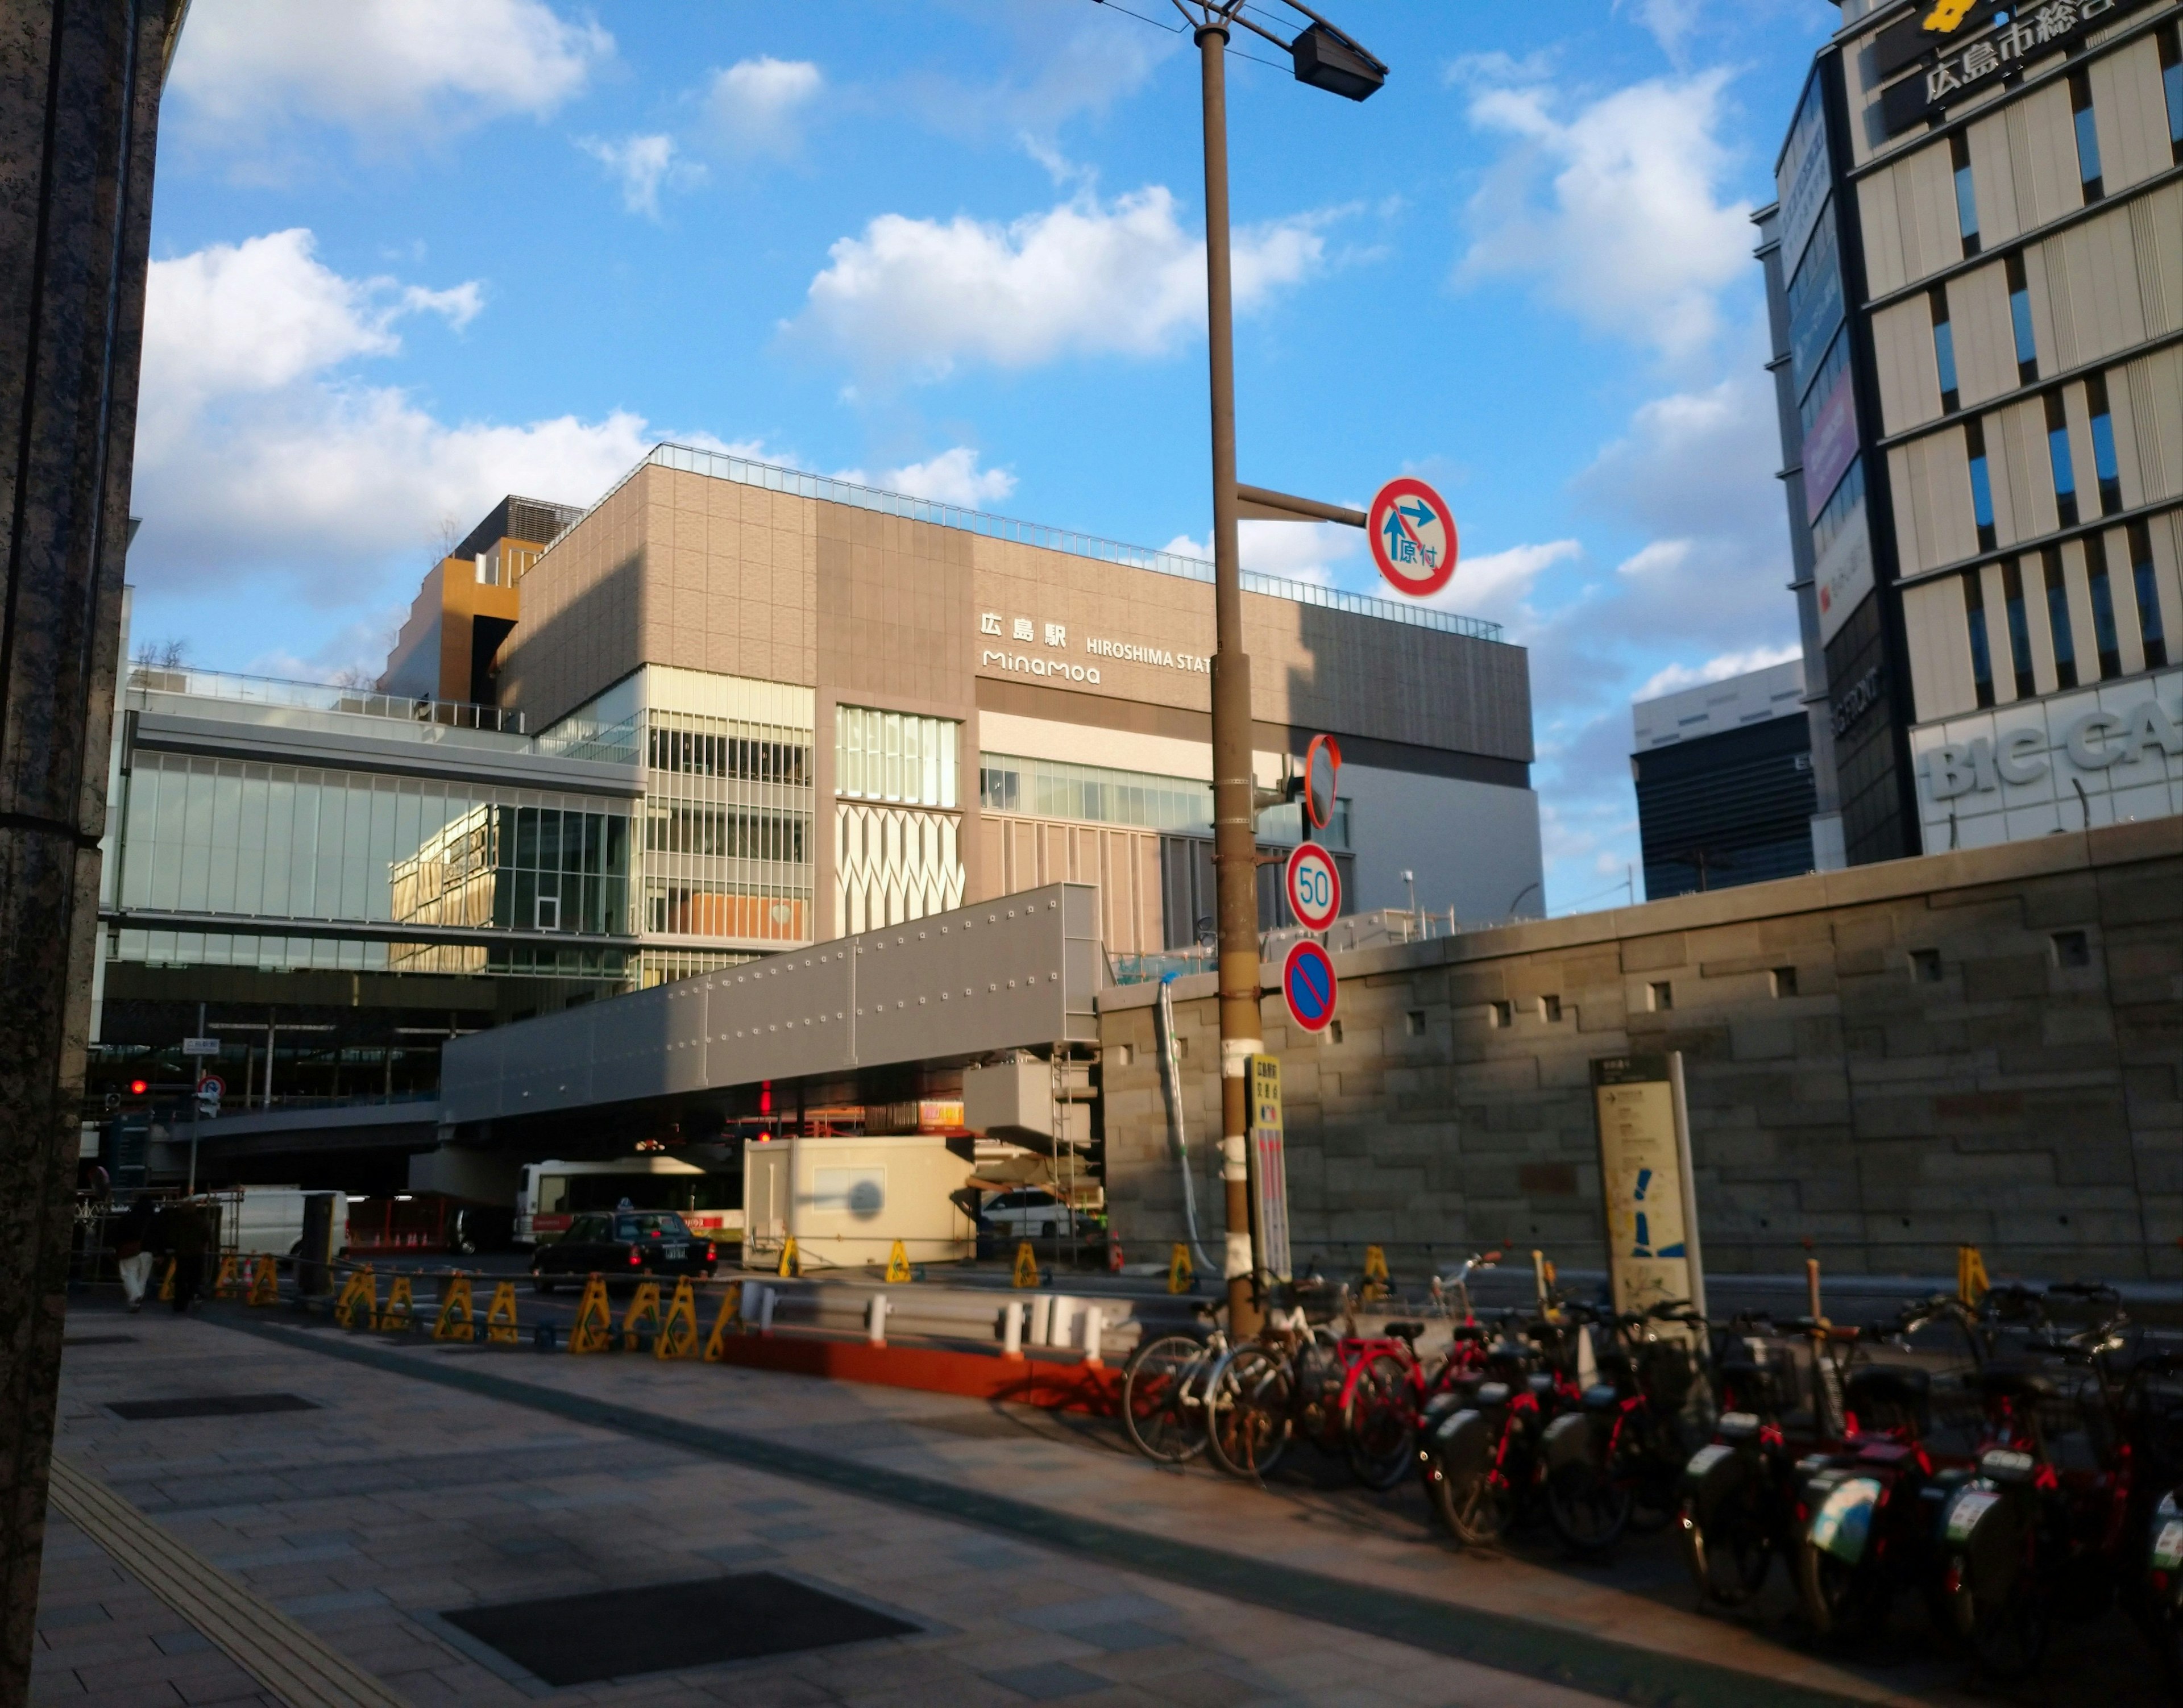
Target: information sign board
1270,1171
1314,887
1308,985
200,1047
1413,537
1645,1173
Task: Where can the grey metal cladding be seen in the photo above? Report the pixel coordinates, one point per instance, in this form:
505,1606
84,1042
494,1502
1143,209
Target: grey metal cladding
1020,971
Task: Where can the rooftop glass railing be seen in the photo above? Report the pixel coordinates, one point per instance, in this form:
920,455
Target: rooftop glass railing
320,696
773,478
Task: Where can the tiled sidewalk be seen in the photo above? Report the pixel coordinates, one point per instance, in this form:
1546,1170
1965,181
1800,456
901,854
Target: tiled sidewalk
400,1501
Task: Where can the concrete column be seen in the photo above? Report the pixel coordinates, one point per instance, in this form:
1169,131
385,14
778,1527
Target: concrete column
79,83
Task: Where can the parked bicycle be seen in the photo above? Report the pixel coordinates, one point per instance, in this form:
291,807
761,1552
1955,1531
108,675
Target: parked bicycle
1740,1508
1388,1389
1163,1388
1478,1454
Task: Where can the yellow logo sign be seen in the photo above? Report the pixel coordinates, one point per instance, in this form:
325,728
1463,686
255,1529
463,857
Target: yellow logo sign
1947,16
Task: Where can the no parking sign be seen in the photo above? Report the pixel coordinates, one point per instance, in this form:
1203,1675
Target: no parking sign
1308,986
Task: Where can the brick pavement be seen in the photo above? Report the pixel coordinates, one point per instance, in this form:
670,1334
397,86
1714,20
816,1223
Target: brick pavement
403,1500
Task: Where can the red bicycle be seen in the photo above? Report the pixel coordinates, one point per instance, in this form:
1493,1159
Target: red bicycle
1387,1390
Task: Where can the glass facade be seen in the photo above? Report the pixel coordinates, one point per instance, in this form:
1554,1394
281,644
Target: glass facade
894,756
727,830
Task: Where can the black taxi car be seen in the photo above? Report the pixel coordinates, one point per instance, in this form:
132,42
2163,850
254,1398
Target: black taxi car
623,1244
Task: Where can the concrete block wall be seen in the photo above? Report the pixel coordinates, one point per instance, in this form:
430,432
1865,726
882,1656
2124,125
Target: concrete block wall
1984,1047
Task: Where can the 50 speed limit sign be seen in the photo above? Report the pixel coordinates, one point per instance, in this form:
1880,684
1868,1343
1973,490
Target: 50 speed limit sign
1314,887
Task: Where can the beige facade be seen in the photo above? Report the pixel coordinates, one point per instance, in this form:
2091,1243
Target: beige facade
1087,658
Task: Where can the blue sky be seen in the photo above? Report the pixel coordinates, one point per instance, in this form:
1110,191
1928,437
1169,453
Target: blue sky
409,256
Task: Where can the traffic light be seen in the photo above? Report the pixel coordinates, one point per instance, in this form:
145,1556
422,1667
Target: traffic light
137,1088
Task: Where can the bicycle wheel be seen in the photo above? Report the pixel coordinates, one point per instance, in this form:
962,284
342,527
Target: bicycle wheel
1163,1398
1477,1506
1589,1511
1729,1560
1249,1405
1379,1424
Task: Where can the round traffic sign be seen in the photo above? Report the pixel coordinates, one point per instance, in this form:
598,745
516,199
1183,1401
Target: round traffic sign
213,1084
1309,986
1314,887
1413,536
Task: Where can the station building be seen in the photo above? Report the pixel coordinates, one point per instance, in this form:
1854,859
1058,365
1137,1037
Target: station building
1975,270
732,709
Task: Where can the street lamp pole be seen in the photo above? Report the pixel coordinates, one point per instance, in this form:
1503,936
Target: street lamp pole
1234,837
1328,60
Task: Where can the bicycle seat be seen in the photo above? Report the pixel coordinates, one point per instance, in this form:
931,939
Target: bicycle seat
2014,1382
1492,1394
1403,1331
1540,1383
1601,1397
1889,1385
1474,1333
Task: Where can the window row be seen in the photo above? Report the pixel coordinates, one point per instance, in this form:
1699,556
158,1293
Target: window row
721,833
2092,610
2097,446
895,757
2110,124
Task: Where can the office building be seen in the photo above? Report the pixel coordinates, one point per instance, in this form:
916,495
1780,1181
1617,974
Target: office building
1976,268
732,709
1724,774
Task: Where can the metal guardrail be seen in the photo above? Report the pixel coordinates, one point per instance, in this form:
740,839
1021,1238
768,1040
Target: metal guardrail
320,696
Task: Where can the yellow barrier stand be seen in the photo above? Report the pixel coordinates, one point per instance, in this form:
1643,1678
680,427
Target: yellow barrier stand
898,1263
1375,1273
792,1264
223,1286
593,1330
678,1334
398,1315
361,1289
1027,1265
265,1282
1971,1283
731,1316
643,1311
500,1323
458,1318
1182,1273
167,1286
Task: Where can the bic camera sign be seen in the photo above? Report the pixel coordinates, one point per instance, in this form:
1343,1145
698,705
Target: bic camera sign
2096,742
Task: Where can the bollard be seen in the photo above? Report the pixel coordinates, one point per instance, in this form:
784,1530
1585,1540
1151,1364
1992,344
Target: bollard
1094,1324
1041,1319
1062,1320
753,1302
1812,1289
765,1298
875,1316
1011,1327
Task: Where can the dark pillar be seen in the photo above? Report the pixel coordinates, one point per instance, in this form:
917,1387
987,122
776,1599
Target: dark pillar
79,84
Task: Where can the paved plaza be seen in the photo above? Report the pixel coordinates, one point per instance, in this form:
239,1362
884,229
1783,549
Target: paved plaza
1025,1556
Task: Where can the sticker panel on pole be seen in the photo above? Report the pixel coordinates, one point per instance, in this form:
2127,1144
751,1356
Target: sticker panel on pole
1314,887
1308,986
1413,537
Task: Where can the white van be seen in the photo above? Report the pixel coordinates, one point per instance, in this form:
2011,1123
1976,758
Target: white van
554,1192
271,1218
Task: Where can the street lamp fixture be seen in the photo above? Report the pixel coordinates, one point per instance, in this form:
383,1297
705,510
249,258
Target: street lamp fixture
1327,58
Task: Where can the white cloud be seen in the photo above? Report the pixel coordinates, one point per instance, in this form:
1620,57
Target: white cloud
1718,669
1616,210
388,69
1670,20
756,105
1498,584
1086,277
256,451
953,477
644,165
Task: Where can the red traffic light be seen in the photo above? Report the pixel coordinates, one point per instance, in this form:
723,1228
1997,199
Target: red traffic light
137,1088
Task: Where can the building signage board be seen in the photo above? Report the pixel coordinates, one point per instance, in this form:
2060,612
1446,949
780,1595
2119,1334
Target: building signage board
1412,532
1270,1171
2031,31
1806,173
1917,32
1314,887
1815,304
1646,1174
200,1047
1844,575
1831,445
2017,771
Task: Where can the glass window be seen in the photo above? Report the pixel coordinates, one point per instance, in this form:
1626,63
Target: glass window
2019,320
1981,487
2171,80
895,757
1089,793
2152,630
2104,636
2104,463
2057,457
1967,219
2020,627
2088,135
1839,509
2057,619
1944,349
1981,654
1835,364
